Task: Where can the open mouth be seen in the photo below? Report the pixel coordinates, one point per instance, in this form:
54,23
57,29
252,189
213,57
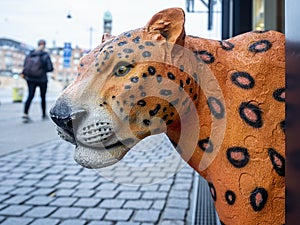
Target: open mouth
94,158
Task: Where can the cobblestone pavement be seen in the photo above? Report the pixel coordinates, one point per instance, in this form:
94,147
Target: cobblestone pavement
43,185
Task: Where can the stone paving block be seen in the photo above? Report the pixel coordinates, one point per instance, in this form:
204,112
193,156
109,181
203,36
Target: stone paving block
46,183
129,195
152,187
40,200
27,183
42,191
172,222
178,203
16,221
72,177
93,214
67,184
159,204
45,221
87,185
15,175
34,176
15,210
10,182
87,202
106,194
112,203
64,192
164,187
143,180
127,223
174,214
5,189
83,193
88,178
179,194
40,211
128,187
100,223
182,186
2,218
64,201
138,204
107,186
18,199
154,195
22,190
54,177
118,214
73,222
147,216
67,212
3,197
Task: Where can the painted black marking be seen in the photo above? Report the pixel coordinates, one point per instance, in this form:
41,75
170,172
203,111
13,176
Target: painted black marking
181,85
143,94
128,50
204,56
282,125
216,107
149,43
141,87
134,79
127,34
106,55
146,122
144,75
181,68
206,145
195,97
155,110
171,76
278,162
279,94
146,54
165,92
246,108
195,76
165,117
122,43
212,191
226,45
243,80
238,156
131,96
258,198
256,47
127,87
175,102
141,103
141,46
185,101
188,81
136,40
159,78
169,122
151,70
230,197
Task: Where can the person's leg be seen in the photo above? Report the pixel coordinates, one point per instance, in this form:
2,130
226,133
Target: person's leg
43,89
31,91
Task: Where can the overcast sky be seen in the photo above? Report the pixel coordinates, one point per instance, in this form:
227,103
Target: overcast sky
29,20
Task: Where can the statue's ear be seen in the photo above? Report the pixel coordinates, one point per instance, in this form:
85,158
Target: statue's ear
106,37
169,25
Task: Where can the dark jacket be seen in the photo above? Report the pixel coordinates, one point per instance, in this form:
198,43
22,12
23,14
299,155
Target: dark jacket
48,66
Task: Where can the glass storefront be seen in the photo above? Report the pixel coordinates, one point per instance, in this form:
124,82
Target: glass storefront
258,15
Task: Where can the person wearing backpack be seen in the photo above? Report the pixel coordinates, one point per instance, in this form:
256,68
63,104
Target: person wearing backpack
36,65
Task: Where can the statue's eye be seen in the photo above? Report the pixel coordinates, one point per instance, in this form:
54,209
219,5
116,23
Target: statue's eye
122,68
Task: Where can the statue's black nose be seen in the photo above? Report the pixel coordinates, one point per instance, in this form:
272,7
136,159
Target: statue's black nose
63,115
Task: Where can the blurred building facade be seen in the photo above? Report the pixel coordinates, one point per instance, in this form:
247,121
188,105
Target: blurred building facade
13,53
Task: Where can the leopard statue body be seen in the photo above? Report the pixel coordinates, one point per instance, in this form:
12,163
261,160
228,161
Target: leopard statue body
221,104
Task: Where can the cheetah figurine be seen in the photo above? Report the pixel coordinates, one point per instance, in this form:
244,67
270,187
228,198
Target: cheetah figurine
221,104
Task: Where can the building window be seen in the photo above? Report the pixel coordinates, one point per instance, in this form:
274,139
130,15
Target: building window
258,15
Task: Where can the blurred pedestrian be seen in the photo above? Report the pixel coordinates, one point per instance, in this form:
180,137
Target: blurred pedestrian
37,64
